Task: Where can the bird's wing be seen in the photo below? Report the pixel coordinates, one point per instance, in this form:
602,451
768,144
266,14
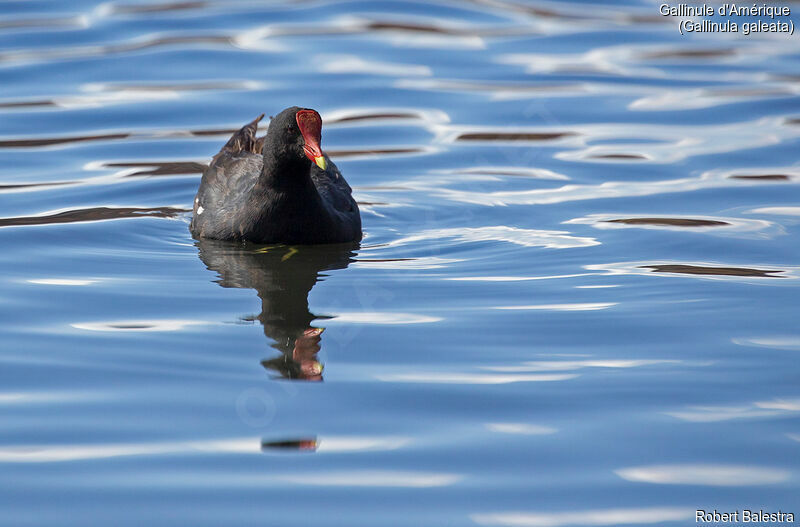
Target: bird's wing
244,140
240,155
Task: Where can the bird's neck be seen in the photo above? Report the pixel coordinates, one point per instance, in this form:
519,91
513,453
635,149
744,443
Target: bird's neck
286,172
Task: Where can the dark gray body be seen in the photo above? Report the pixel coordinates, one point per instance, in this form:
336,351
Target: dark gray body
237,200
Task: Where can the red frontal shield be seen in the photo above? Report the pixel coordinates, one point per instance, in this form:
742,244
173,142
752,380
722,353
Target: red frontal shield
310,124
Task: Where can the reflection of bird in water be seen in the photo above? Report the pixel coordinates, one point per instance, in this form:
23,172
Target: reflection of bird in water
282,276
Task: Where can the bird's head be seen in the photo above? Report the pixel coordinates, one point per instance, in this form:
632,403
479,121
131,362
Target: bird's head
297,132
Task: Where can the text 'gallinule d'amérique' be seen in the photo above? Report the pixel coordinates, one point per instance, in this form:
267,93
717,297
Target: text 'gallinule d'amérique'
280,188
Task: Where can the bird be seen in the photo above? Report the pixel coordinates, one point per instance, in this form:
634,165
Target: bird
277,189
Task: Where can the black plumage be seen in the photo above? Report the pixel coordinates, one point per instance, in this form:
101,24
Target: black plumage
279,188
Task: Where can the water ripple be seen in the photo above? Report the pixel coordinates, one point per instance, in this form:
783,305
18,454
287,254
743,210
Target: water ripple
701,474
605,190
92,214
713,271
517,236
622,516
712,224
472,378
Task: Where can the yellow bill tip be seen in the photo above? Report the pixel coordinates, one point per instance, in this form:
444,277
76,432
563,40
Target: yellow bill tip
320,161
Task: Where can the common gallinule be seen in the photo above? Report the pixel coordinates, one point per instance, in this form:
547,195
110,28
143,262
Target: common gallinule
280,188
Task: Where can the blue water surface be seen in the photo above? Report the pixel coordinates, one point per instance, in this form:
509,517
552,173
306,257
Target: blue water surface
575,302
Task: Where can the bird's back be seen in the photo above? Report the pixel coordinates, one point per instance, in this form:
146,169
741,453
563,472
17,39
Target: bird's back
220,206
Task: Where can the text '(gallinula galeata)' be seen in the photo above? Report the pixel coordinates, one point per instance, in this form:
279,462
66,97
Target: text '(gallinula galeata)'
280,188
